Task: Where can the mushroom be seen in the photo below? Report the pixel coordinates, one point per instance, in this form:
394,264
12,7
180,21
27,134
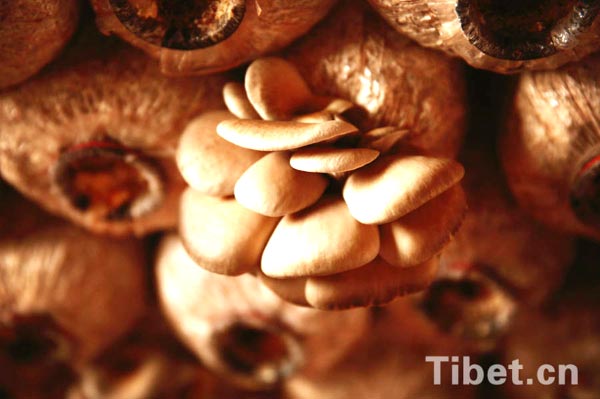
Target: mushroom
499,35
93,137
499,261
241,330
551,145
65,296
355,56
202,37
32,33
314,236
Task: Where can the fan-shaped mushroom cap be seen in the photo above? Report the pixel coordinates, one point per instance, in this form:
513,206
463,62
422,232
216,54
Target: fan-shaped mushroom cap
208,163
237,102
320,240
383,139
276,89
221,235
418,236
393,186
331,159
373,284
280,136
272,187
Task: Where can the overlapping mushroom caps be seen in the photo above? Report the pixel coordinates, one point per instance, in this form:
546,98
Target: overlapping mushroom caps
200,36
328,217
93,137
243,331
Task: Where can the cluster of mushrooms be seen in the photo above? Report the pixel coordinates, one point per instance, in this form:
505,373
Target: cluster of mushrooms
297,199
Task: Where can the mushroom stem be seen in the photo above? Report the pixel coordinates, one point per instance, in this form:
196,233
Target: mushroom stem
108,181
180,25
525,29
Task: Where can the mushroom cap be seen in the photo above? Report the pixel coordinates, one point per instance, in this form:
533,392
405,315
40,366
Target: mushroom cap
331,159
419,235
499,238
236,100
384,139
353,54
376,283
393,186
204,306
221,235
320,240
263,135
272,187
276,89
208,163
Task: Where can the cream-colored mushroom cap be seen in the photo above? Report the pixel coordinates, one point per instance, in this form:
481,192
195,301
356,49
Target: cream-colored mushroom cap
208,163
383,139
280,136
272,187
289,289
237,101
276,89
221,235
393,186
331,159
320,240
374,284
315,117
423,233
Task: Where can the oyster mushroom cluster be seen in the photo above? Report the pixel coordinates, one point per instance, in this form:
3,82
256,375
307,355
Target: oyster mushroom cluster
285,186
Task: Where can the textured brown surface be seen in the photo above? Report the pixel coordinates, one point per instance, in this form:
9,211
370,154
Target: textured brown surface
32,33
99,89
436,24
201,305
353,54
266,26
553,131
